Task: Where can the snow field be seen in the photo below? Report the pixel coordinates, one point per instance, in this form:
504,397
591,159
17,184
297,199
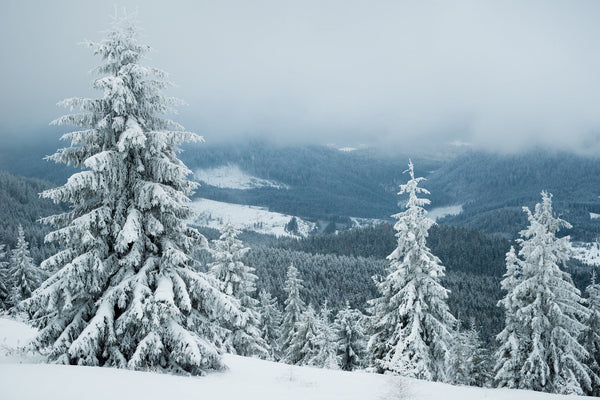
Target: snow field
588,253
230,176
215,214
246,378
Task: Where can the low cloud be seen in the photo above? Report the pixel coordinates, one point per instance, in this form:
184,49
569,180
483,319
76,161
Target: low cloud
503,75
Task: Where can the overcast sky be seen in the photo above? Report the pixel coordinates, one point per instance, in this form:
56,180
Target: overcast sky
499,74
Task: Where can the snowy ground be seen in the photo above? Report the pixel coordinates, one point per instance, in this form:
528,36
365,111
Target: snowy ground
215,213
230,176
23,377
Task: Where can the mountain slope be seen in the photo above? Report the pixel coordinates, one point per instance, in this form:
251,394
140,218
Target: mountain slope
493,189
311,181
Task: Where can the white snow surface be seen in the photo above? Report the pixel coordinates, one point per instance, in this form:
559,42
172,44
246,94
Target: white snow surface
588,253
247,378
230,176
440,212
215,214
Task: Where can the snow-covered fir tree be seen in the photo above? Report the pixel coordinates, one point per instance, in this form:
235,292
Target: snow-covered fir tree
126,293
411,320
25,275
509,355
270,322
351,338
238,280
326,355
467,364
591,336
304,346
294,307
544,310
5,281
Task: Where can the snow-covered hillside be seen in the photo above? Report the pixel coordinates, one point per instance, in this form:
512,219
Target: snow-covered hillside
230,176
249,379
215,213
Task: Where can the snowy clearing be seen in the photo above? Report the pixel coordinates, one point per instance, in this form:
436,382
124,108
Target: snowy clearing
588,253
441,212
258,219
230,176
247,378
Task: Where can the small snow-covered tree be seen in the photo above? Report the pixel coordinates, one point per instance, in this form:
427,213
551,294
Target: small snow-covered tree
270,321
591,336
238,280
326,355
467,364
411,320
294,306
126,293
510,355
350,338
303,347
5,281
25,275
544,310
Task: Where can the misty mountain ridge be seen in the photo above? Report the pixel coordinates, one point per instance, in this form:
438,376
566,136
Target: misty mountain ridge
336,182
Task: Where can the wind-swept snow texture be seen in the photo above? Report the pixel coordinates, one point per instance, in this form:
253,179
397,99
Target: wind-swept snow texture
246,378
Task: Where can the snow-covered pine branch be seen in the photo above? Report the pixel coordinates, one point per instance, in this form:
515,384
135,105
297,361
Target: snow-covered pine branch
125,293
412,325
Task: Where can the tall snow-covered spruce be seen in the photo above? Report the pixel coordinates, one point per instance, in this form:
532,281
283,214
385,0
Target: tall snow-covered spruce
412,325
125,293
539,345
238,280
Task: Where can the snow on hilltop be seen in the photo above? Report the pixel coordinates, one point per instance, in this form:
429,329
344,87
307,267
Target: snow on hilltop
246,378
258,219
230,176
